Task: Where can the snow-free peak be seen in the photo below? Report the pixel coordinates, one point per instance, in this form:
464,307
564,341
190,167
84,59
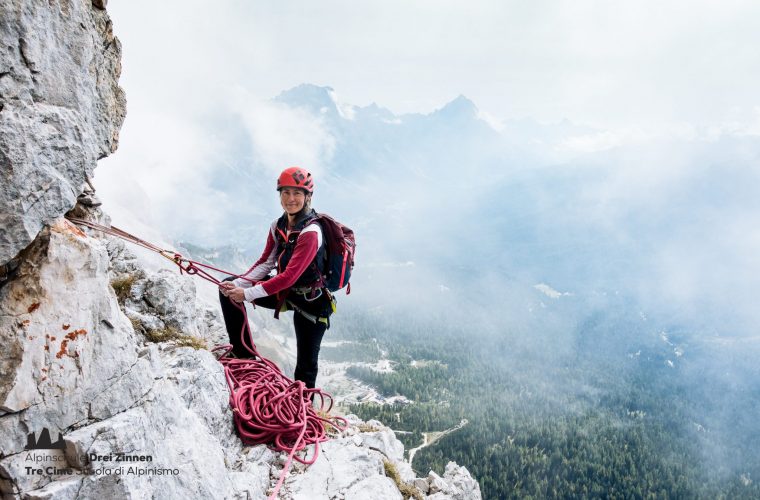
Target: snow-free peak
461,107
307,95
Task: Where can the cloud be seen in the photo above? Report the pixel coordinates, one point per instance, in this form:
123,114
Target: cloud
744,122
491,120
656,87
345,110
549,291
282,136
162,171
591,143
711,271
193,176
645,64
407,263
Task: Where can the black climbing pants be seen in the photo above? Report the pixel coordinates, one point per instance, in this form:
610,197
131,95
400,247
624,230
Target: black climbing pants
308,333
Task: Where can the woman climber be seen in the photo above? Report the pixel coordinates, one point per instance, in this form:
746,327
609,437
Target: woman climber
295,249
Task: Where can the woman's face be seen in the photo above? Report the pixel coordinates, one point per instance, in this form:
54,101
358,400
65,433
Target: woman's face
292,199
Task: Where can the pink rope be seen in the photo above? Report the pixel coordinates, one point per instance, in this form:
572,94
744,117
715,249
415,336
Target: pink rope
270,408
267,407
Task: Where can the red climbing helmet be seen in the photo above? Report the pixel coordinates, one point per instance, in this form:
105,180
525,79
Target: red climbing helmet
296,177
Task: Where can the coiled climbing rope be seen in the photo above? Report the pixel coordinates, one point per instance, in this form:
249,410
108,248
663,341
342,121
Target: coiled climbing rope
268,407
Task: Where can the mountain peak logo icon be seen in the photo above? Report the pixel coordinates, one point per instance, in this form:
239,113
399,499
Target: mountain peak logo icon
44,442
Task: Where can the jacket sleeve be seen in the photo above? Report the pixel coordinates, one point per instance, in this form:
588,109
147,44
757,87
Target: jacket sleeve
262,267
303,254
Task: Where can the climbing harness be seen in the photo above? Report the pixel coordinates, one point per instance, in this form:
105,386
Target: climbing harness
267,406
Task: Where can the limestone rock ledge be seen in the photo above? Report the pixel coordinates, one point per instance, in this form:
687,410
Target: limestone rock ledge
75,365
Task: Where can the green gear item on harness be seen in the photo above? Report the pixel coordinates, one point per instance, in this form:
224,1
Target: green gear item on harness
311,317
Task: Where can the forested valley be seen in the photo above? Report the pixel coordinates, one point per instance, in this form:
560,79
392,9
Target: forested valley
610,415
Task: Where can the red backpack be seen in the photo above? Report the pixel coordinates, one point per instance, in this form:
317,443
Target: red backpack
340,246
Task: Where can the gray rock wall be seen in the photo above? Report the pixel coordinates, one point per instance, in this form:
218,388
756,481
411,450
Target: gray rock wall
61,109
75,365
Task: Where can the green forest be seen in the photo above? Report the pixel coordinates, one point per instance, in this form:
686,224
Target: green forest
586,423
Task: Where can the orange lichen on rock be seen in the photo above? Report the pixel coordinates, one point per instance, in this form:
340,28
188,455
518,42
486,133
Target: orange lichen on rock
66,326
62,350
67,226
65,342
33,307
76,333
47,347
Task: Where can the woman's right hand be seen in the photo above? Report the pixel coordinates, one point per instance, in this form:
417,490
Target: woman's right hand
226,286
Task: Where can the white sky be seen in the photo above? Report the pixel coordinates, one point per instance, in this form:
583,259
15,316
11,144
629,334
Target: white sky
610,64
637,71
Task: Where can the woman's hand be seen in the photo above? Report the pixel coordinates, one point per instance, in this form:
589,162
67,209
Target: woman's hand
229,289
236,294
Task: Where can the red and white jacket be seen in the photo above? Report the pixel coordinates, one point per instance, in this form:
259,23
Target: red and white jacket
305,251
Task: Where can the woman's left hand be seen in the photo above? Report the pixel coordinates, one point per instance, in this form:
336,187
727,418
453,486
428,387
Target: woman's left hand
237,294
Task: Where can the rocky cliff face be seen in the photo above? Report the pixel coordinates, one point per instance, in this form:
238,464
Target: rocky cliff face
99,350
61,109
